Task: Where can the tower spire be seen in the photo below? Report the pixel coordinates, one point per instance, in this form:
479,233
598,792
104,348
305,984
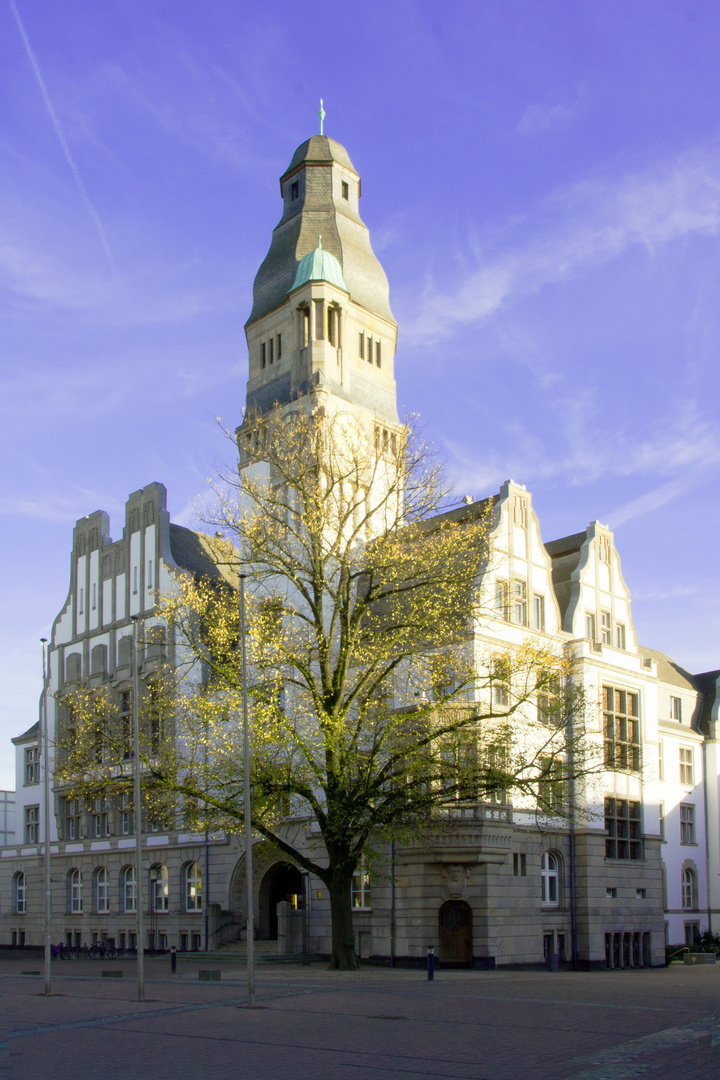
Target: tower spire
321,114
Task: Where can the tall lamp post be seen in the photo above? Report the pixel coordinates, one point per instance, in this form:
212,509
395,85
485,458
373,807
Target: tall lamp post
46,825
138,817
250,933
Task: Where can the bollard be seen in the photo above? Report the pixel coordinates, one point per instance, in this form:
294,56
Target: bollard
431,962
173,959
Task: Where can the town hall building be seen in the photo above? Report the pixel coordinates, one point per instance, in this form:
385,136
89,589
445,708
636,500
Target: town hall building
496,885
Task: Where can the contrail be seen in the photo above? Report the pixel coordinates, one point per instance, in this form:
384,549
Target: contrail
63,141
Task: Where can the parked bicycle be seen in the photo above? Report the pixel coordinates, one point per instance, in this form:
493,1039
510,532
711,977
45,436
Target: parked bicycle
102,950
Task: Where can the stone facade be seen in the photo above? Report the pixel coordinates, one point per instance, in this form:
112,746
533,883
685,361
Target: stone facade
496,885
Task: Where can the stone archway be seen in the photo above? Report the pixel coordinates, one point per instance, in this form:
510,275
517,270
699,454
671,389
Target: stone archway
283,881
455,932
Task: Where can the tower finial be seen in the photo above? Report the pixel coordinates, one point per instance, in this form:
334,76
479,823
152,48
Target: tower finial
321,114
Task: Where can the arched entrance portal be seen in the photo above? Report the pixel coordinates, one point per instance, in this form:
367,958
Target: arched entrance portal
455,932
283,881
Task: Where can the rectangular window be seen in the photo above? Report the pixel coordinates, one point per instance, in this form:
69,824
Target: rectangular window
361,894
538,612
621,719
294,190
263,358
279,346
620,635
72,819
32,824
622,822
551,788
361,345
345,190
519,864
501,600
589,626
32,765
378,357
500,683
676,709
319,320
126,816
369,350
687,824
271,350
520,603
605,628
686,766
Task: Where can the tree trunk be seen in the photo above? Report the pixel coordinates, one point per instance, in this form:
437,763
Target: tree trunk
344,957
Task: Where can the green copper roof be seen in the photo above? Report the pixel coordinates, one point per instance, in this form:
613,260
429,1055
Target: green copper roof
319,265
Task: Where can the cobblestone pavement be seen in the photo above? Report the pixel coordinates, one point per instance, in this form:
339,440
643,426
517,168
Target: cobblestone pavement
312,1024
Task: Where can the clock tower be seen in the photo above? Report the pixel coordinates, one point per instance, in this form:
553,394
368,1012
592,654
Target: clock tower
321,335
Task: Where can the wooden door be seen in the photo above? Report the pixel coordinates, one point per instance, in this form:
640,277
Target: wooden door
455,931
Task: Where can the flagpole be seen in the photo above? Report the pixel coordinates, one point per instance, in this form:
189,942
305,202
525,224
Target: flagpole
46,825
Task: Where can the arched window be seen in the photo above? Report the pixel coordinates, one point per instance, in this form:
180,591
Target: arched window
549,876
159,888
129,892
193,887
124,655
19,894
689,890
102,892
75,901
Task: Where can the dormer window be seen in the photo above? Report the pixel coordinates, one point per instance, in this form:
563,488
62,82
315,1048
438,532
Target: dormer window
294,190
345,190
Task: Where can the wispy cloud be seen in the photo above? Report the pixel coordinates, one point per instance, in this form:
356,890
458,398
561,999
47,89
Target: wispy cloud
681,451
540,118
80,184
577,229
57,509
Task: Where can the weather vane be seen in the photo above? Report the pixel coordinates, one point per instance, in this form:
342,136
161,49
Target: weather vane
321,114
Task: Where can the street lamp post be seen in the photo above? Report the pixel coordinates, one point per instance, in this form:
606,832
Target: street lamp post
46,825
138,817
250,933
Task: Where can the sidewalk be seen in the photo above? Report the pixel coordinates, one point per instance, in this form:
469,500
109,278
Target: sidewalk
312,1023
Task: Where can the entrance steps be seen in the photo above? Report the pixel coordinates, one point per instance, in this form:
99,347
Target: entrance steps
236,952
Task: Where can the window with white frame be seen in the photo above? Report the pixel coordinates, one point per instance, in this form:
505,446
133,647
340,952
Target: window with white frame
32,824
621,726
687,823
549,879
501,683
689,889
361,896
75,896
538,610
193,887
32,765
686,766
501,600
73,819
620,635
605,628
127,825
590,625
159,888
128,892
519,611
624,829
19,893
102,891
676,709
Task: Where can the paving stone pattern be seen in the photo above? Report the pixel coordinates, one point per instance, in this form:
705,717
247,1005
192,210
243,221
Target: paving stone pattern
311,1023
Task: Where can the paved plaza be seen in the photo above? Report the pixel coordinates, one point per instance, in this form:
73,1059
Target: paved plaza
312,1024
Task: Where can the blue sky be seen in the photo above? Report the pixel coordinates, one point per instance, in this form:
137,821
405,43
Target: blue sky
542,184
